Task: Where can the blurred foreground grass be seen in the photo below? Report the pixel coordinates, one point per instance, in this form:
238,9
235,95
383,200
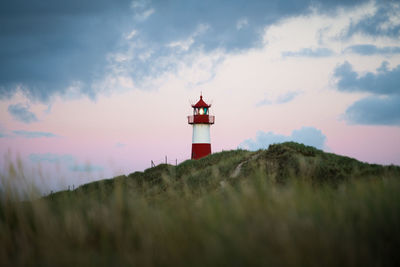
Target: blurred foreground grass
290,205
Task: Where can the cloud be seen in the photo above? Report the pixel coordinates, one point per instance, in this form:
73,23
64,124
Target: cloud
285,98
380,108
186,31
3,132
29,134
305,135
87,167
120,145
384,22
56,47
180,20
144,15
47,48
52,158
368,49
375,110
22,113
141,10
385,81
242,23
67,160
264,102
309,52
281,99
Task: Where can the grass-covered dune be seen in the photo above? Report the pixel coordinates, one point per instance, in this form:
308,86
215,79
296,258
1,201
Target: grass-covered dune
290,205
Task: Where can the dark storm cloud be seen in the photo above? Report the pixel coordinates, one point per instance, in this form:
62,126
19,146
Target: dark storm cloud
47,46
228,25
181,18
22,113
368,49
383,106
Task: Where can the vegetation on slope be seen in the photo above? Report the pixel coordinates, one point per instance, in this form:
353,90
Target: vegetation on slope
290,205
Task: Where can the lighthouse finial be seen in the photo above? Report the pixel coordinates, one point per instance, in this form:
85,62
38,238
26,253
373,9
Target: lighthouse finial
201,95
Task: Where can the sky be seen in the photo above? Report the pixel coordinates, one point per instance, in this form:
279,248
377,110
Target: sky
93,89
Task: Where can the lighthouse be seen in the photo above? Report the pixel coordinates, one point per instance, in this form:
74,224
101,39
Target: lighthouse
201,121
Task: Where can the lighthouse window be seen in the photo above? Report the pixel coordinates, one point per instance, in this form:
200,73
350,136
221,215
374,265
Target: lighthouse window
205,110
201,111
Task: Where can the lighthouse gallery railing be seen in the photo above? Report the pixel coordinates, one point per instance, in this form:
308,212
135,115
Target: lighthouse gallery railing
201,119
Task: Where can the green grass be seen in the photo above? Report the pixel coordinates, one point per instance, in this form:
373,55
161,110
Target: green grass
290,205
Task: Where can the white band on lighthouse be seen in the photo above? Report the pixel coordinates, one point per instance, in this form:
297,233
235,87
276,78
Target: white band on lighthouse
201,134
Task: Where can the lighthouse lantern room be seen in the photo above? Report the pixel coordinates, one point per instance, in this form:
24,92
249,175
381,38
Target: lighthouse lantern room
201,121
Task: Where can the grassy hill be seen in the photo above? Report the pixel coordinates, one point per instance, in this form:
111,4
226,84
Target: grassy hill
290,205
281,162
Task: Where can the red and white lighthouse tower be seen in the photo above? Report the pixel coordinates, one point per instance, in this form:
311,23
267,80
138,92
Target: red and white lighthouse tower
201,121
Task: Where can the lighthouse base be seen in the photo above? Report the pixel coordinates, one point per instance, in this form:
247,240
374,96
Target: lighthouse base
200,150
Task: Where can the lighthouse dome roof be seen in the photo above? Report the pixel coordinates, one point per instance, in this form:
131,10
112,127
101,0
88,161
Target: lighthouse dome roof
201,103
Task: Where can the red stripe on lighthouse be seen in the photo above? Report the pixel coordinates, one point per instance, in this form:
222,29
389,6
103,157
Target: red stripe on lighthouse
200,150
